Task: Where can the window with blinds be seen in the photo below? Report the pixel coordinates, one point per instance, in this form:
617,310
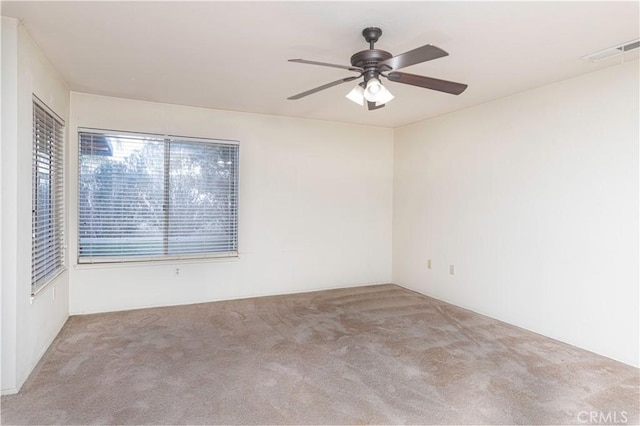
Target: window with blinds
47,218
146,197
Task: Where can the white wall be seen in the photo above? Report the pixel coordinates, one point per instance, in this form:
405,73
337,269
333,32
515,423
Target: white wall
534,199
315,208
28,325
8,146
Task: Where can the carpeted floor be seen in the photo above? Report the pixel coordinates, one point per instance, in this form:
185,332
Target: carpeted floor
366,355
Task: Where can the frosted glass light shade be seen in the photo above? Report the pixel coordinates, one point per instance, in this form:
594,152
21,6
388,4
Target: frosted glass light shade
356,95
372,90
383,96
376,92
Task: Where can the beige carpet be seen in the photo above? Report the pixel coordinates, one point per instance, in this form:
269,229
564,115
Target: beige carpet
367,355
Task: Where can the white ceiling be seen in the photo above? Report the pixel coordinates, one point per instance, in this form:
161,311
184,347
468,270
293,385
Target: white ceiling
233,56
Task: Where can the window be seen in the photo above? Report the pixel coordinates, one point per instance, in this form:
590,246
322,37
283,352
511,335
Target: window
47,215
146,197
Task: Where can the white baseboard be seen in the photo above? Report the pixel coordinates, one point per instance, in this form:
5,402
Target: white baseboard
9,391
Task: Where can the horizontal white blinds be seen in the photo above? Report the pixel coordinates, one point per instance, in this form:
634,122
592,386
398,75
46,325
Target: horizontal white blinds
145,197
47,225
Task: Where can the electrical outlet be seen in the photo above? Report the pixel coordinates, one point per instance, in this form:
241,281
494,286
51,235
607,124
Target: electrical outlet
428,263
451,270
177,271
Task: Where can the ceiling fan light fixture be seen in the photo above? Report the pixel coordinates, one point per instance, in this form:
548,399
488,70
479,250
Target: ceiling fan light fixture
384,96
372,90
376,92
373,63
356,95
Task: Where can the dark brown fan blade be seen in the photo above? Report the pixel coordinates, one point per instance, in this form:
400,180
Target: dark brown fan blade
317,89
427,82
324,64
372,106
415,56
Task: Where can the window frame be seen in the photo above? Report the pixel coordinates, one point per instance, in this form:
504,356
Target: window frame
167,139
56,209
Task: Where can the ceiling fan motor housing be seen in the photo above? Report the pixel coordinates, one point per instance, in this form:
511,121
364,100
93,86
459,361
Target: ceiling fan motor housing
369,60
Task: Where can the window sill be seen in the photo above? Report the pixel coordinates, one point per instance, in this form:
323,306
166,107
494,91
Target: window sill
49,282
150,263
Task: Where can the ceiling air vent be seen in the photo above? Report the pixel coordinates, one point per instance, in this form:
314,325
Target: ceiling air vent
613,51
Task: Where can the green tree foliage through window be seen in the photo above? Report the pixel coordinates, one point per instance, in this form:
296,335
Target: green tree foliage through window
154,197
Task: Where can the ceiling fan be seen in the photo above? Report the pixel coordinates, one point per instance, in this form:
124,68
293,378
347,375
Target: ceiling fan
375,63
